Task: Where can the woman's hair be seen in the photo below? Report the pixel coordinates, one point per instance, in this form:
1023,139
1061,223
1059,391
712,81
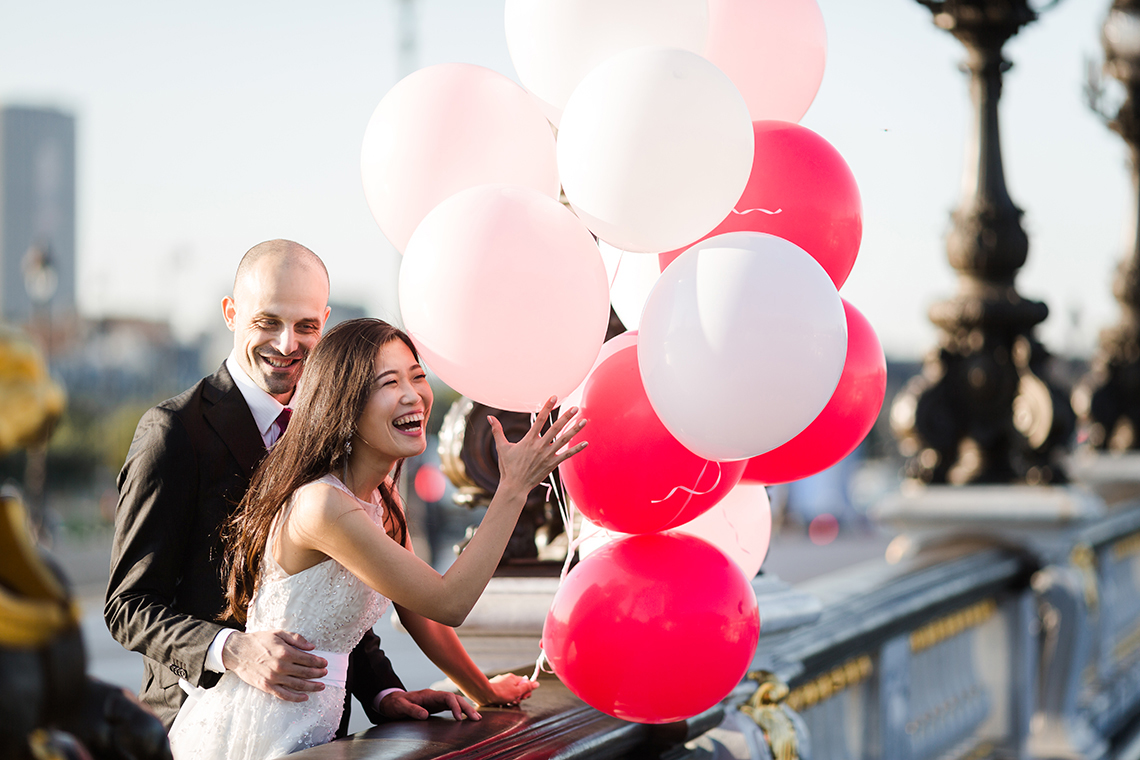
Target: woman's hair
334,389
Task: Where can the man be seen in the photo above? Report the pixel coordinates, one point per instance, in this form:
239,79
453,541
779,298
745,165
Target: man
188,467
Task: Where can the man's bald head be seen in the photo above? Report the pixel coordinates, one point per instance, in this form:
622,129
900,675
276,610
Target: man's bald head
277,312
278,254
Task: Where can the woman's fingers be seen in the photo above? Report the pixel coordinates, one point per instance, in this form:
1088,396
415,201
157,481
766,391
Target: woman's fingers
497,431
536,455
570,452
559,424
560,441
541,417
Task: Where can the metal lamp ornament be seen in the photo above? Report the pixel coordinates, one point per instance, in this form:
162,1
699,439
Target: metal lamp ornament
1108,398
982,411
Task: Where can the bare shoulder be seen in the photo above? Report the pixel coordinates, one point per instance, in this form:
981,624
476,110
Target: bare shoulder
323,502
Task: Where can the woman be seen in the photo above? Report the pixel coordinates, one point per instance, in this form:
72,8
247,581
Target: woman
320,544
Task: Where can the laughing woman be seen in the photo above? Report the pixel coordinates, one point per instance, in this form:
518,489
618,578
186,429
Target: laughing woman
320,544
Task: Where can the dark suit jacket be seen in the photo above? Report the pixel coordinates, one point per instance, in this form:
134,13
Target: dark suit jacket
188,467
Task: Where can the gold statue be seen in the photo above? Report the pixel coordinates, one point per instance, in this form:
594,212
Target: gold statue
51,709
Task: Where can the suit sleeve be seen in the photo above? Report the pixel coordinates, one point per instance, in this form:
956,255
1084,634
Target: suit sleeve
372,673
154,521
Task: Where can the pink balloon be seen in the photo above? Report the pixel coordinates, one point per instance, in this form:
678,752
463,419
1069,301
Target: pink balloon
505,295
447,128
774,51
801,190
653,628
740,526
844,422
635,476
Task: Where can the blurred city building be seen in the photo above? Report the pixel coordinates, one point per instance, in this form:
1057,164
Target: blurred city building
37,213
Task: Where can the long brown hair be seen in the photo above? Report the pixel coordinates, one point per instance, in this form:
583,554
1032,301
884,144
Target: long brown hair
334,389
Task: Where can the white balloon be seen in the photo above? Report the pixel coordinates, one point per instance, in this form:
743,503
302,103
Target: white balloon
632,277
654,149
741,344
554,43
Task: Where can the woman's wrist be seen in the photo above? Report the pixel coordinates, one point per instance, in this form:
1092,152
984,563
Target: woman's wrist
512,491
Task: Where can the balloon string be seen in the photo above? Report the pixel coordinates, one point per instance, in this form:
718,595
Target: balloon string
566,512
764,210
540,666
692,492
617,268
728,518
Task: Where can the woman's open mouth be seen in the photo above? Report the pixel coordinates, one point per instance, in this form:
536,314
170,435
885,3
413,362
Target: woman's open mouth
410,424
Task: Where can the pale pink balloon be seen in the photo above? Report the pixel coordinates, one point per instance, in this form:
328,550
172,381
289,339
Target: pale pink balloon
774,51
447,128
740,525
505,295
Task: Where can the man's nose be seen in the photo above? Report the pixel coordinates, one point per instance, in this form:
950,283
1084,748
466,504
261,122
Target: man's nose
286,342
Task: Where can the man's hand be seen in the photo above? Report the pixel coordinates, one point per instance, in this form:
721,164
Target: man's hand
276,662
418,705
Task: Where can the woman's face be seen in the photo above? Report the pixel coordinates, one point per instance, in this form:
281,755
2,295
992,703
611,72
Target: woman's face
396,414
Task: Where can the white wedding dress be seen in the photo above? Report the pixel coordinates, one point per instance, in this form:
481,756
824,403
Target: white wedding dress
332,609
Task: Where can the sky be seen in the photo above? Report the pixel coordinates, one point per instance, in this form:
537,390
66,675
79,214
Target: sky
205,129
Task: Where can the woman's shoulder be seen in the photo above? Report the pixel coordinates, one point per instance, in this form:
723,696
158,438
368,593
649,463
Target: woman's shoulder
325,496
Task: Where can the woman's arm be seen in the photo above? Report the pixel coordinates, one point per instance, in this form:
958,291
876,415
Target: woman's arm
330,522
442,646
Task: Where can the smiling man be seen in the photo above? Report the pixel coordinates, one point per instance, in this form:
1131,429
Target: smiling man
188,467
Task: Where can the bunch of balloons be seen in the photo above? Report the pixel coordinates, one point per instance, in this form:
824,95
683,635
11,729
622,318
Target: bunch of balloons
719,229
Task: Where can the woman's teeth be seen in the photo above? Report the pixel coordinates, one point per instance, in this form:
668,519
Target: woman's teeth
409,421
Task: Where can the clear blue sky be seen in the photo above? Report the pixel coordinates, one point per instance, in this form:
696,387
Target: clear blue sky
205,129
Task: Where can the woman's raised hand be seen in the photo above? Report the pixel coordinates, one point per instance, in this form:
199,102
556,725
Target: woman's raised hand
525,464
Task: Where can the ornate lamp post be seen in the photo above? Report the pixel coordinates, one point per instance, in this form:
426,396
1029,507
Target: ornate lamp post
40,281
981,412
1108,399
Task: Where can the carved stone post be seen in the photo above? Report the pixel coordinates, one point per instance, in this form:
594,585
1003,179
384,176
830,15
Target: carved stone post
981,412
1108,399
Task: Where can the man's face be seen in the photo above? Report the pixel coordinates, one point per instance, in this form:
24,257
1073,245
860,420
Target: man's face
276,315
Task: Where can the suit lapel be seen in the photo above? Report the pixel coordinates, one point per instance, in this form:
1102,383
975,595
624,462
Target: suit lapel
229,416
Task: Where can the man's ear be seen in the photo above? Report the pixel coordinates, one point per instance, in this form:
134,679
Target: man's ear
229,313
328,310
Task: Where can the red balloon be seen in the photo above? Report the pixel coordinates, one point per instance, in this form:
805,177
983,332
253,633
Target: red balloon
802,190
653,628
843,423
635,477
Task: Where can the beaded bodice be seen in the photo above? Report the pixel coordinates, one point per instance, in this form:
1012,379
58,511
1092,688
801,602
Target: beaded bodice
325,603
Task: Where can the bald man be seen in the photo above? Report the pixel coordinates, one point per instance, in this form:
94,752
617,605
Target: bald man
188,467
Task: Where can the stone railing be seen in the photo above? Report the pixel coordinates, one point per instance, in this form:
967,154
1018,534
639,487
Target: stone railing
1007,625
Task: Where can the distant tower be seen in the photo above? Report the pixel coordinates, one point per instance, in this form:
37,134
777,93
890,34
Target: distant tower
407,45
37,212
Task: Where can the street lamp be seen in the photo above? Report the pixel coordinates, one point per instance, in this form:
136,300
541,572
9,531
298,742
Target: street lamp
40,282
981,412
1108,398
